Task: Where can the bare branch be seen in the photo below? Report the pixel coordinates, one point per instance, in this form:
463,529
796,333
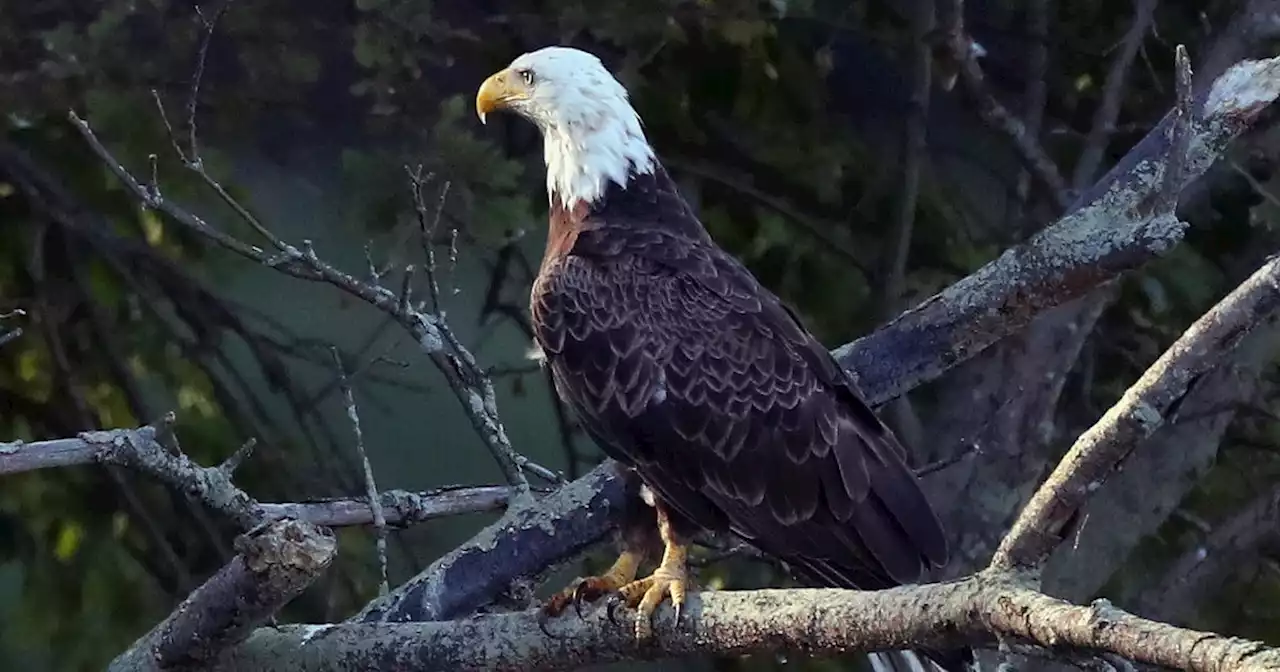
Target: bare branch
961,53
526,542
1147,405
14,333
1179,142
274,565
399,507
1035,97
371,486
795,622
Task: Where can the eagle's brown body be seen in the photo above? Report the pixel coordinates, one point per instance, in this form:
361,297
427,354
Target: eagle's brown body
692,375
684,368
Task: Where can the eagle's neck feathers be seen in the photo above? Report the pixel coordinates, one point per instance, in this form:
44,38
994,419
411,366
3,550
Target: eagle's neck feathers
591,146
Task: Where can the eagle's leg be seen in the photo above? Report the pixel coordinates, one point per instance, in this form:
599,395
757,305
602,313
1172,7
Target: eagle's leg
671,578
637,542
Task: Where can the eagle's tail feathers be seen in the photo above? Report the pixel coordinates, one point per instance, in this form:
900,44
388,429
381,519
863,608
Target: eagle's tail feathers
911,661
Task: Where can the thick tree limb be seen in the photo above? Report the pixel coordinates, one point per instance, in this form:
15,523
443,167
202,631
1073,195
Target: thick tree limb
1147,405
804,621
526,542
275,564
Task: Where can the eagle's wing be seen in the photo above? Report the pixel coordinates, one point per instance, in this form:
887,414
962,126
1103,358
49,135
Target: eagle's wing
684,367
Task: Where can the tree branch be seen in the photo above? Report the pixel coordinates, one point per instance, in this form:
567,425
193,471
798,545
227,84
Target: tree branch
805,621
275,564
399,507
1147,405
961,54
212,485
526,542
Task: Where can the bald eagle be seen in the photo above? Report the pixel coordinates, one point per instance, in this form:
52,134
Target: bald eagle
692,375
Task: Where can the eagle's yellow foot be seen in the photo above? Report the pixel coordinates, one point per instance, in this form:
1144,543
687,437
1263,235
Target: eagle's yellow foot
670,578
591,588
645,595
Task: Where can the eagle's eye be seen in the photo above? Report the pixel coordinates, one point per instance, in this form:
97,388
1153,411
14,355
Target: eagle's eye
527,75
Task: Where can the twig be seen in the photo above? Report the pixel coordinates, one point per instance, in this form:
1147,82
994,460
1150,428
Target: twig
1143,409
959,47
232,463
1180,142
427,230
371,487
1113,91
274,565
950,460
731,623
16,332
1035,98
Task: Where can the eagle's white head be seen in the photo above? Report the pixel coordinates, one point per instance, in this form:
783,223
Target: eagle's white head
592,136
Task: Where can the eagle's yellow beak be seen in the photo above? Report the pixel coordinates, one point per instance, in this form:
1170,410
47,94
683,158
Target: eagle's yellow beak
498,91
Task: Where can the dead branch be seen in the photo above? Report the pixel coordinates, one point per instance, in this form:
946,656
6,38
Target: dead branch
274,565
530,540
960,54
370,485
1147,405
212,484
792,622
399,507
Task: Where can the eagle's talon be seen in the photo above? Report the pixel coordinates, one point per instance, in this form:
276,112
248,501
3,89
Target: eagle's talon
591,588
611,606
647,594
